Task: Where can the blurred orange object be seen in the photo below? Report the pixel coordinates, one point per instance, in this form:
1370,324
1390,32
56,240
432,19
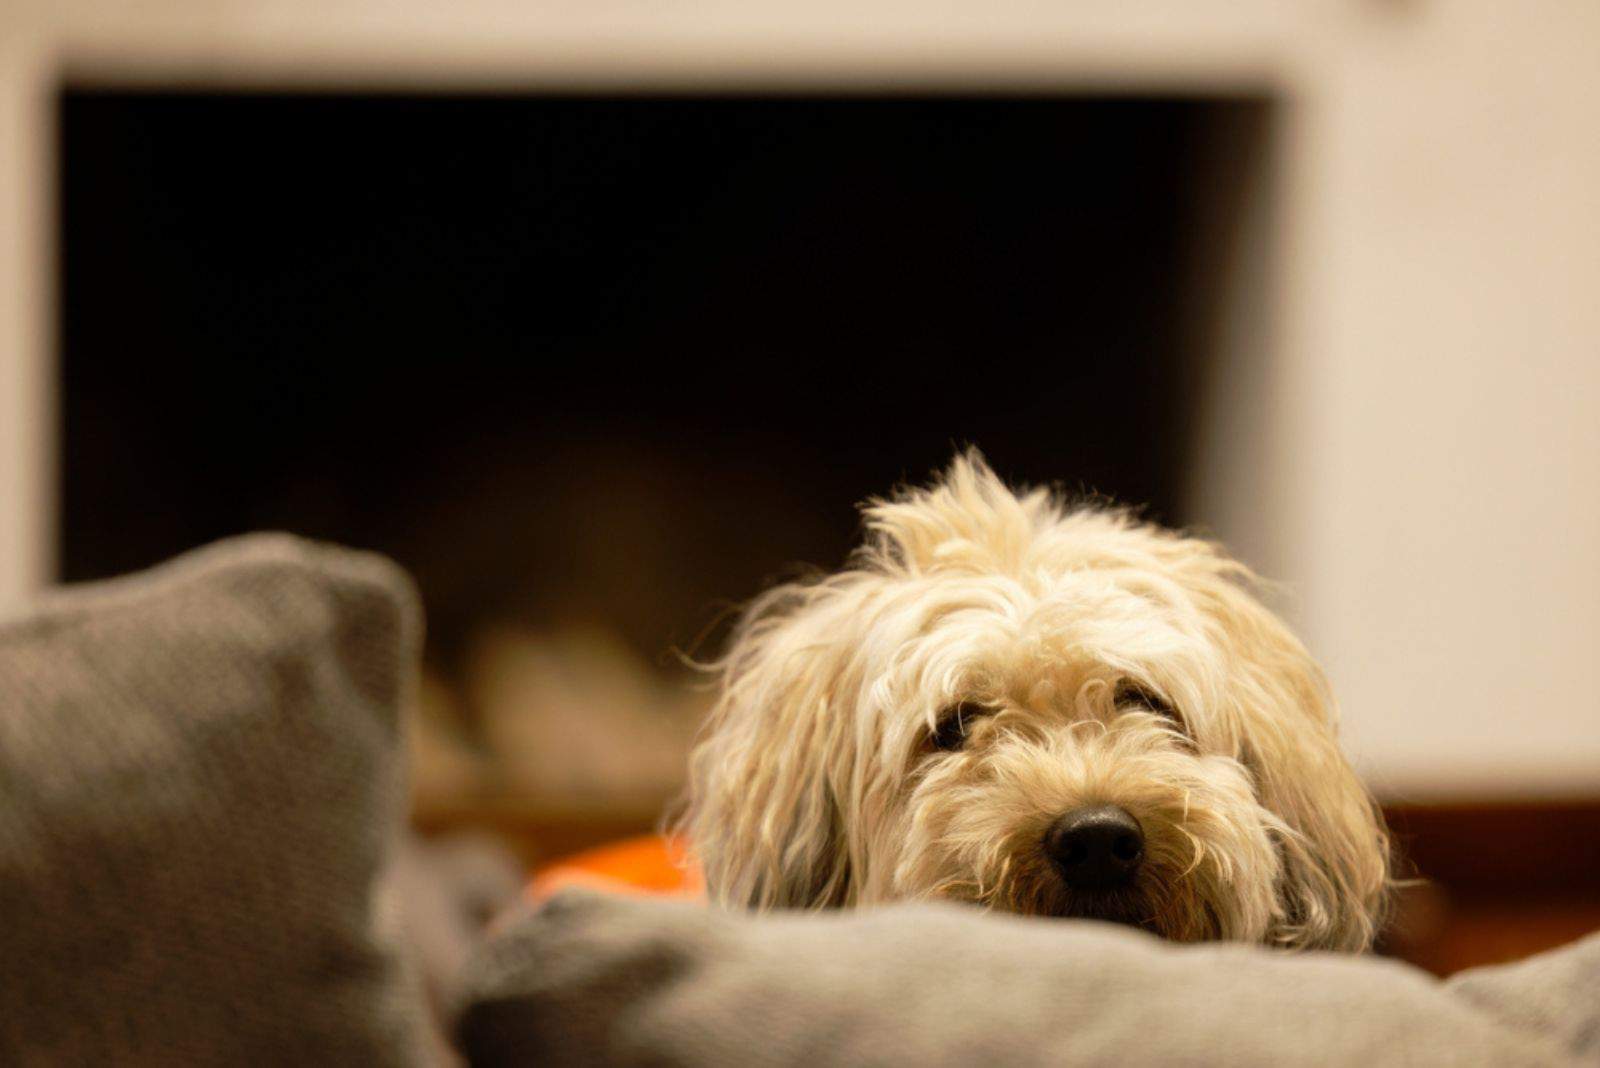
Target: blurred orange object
653,865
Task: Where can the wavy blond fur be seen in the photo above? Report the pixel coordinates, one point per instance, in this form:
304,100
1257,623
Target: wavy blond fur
815,785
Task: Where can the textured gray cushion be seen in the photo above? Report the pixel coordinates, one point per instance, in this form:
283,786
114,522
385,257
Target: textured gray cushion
597,981
199,802
1554,994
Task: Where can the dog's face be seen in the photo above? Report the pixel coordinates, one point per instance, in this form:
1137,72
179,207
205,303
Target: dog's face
1049,711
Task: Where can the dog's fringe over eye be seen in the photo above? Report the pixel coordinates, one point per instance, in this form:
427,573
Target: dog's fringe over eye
1131,693
954,722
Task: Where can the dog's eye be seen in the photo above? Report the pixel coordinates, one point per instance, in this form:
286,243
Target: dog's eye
1131,693
954,722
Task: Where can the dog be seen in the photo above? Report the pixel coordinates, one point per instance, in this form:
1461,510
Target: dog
1030,705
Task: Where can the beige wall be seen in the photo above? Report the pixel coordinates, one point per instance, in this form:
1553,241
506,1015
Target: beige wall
1452,540
1405,427
26,405
1430,477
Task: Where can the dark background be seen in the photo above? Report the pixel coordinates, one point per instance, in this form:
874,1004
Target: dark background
612,359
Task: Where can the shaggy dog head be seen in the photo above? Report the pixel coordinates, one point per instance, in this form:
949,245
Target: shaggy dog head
1049,710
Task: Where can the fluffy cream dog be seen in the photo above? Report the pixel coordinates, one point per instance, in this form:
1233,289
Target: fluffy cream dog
1041,708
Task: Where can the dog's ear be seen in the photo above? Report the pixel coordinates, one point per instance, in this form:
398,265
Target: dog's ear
1282,722
774,758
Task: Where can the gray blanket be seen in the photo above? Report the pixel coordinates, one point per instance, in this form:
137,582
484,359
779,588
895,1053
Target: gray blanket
595,980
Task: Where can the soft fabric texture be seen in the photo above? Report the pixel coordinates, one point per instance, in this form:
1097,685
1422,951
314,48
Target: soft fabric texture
450,889
596,980
1554,994
200,800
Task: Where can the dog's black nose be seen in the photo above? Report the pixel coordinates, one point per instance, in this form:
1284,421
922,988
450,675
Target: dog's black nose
1095,848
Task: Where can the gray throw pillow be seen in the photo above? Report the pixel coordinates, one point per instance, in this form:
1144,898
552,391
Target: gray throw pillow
591,980
200,800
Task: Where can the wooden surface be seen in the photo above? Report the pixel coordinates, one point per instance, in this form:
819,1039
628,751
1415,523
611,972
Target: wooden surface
1494,881
536,833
